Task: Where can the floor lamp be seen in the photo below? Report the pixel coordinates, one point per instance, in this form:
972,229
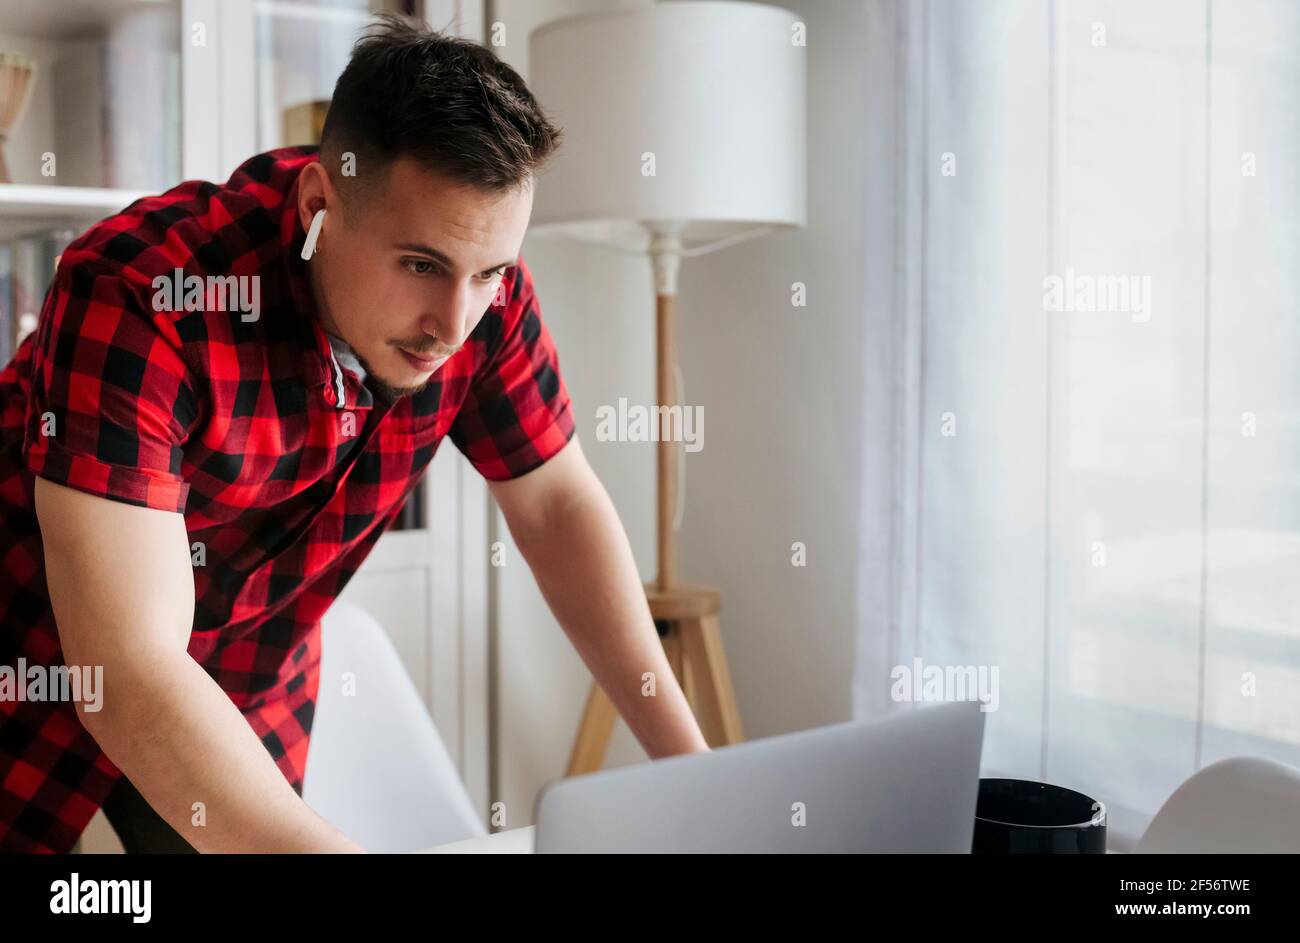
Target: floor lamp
683,134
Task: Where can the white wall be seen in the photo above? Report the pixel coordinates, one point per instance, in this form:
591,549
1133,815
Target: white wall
780,463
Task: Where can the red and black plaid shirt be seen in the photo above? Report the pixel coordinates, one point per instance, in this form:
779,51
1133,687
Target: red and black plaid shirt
239,425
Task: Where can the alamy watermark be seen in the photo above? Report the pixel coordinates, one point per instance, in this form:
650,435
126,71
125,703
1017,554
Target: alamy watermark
636,423
57,683
78,895
181,292
945,683
1130,294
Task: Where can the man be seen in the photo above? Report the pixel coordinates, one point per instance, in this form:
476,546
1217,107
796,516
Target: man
185,487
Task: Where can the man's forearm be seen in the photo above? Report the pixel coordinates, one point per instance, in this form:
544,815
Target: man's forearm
180,740
584,567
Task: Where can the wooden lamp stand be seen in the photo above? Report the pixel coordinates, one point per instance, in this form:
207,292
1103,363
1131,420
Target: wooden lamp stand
686,615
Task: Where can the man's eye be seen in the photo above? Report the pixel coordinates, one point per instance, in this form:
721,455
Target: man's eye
425,267
418,266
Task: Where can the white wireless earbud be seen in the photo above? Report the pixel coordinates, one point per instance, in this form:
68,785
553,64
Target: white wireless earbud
309,246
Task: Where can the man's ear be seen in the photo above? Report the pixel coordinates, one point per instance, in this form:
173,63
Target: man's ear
315,193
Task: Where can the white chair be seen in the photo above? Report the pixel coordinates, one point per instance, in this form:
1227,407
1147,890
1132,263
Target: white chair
376,767
1239,805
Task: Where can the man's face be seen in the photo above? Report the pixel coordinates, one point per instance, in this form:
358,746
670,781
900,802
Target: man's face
405,272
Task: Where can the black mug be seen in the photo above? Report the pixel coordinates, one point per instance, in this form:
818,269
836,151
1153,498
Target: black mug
1020,817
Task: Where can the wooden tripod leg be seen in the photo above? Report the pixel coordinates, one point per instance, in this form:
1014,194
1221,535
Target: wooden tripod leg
712,696
673,650
597,725
685,676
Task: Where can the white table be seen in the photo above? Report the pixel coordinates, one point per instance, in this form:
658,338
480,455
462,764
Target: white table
513,841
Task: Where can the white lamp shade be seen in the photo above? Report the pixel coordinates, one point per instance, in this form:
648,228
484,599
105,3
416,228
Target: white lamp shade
714,91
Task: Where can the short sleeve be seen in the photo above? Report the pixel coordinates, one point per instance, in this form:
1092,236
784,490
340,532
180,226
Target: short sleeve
517,413
112,398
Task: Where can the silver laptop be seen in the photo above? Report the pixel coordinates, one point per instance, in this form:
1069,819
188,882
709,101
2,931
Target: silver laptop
904,784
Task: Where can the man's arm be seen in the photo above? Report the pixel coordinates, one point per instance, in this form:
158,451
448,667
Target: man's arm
568,531
122,590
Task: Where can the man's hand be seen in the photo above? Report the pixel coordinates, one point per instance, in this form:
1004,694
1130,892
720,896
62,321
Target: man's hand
567,529
122,589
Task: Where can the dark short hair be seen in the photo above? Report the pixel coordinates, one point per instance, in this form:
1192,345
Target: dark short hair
448,102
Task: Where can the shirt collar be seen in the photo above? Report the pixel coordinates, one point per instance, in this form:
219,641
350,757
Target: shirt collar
323,374
347,358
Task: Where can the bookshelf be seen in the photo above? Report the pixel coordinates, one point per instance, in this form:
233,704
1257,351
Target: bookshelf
46,201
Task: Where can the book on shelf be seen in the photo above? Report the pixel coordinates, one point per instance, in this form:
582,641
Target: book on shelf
8,319
411,516
28,263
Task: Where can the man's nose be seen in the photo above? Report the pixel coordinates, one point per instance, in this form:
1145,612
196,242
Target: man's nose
450,321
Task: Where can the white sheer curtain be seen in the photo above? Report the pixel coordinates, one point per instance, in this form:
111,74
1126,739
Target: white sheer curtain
1102,504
